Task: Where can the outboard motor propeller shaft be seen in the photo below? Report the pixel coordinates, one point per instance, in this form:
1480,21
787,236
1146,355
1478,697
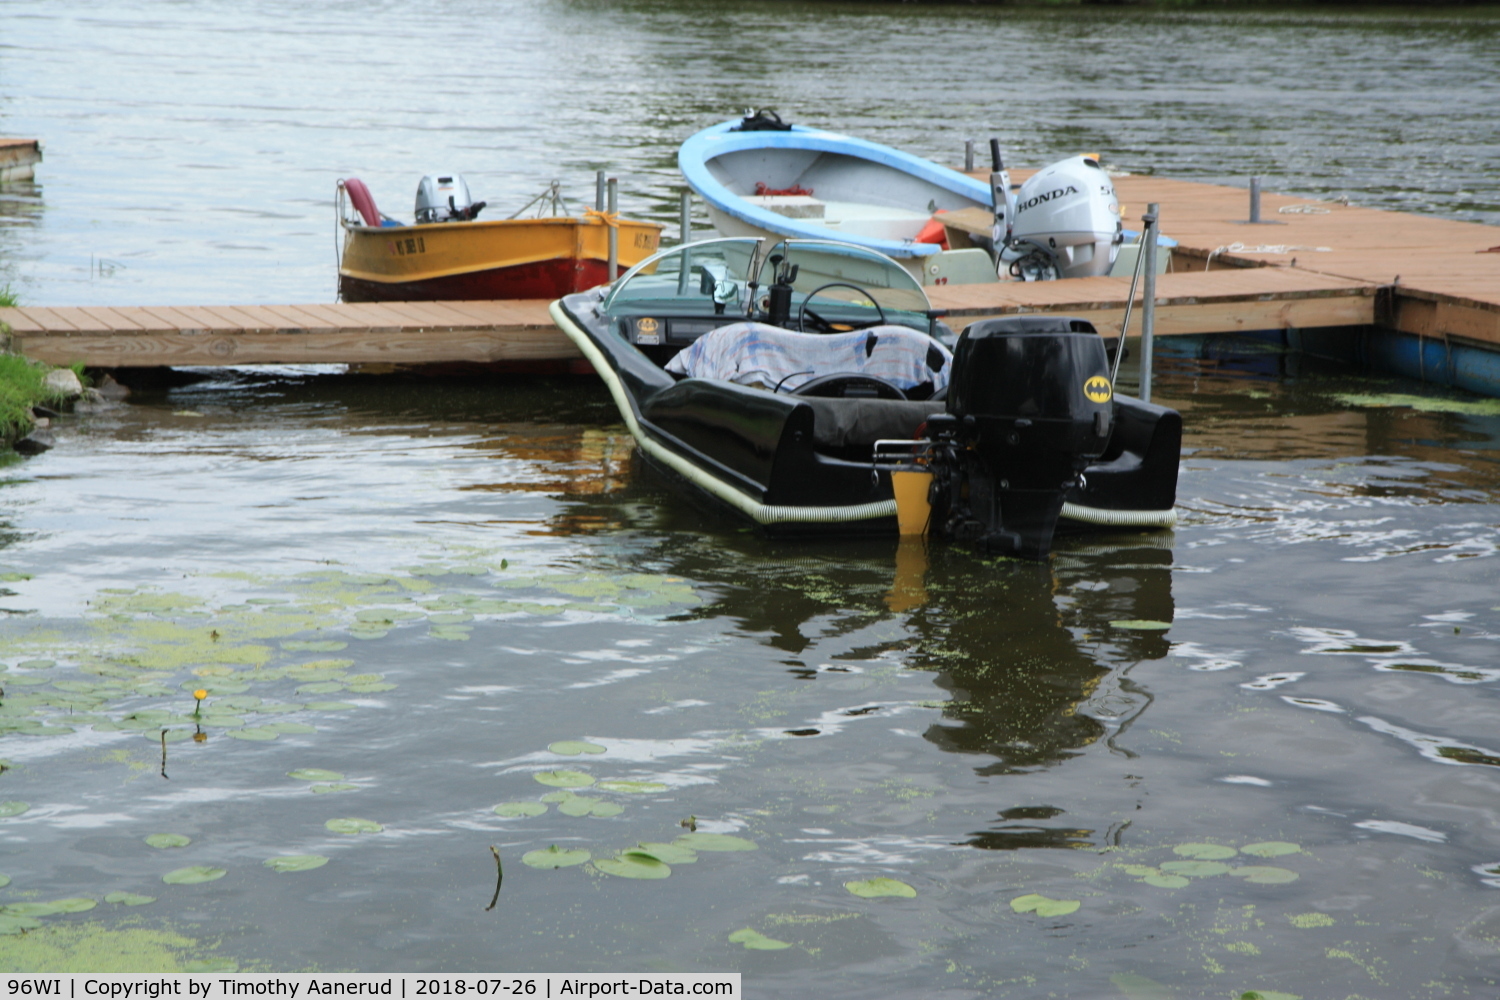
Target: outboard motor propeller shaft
1029,407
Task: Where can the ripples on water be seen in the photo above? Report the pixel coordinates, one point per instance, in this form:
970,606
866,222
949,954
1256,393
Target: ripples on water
200,161
981,730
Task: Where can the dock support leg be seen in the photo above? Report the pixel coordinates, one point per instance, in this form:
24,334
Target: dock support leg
685,217
1148,305
614,231
1255,200
598,190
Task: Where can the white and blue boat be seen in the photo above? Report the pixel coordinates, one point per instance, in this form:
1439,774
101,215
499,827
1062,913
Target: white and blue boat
762,178
805,183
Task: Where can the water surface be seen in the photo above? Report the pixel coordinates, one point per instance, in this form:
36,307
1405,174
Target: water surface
420,587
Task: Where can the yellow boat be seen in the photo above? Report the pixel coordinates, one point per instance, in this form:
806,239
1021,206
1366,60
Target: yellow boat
463,258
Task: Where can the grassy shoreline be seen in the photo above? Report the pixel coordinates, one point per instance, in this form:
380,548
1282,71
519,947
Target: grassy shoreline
21,385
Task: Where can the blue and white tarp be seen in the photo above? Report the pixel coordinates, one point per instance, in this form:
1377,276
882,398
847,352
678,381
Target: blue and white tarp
781,360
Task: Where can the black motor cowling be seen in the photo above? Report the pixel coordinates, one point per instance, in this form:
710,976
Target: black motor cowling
1029,406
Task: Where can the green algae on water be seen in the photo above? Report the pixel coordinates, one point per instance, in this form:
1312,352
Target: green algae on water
95,948
1427,404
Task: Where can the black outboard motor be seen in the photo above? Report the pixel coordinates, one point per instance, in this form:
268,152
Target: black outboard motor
1029,406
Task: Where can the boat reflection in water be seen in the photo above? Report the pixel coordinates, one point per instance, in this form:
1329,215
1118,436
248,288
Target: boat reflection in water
1032,670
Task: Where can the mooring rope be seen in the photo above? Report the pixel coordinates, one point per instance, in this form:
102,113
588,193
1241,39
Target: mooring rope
1274,248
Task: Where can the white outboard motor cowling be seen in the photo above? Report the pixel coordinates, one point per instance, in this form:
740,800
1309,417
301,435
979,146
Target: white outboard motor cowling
443,198
1066,222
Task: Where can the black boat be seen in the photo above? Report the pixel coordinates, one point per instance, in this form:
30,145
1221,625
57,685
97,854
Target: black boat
795,380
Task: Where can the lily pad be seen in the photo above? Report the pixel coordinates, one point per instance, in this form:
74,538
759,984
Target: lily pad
715,842
514,810
314,774
257,734
129,899
165,840
1195,869
671,854
873,888
4,881
315,646
634,864
1271,849
1140,871
1141,625
756,941
564,779
1264,874
572,748
75,905
353,825
1205,852
296,862
632,787
9,809
554,857
583,805
321,687
375,687
1165,881
1044,906
193,875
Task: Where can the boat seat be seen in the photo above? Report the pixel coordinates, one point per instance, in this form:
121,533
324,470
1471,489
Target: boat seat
840,424
781,360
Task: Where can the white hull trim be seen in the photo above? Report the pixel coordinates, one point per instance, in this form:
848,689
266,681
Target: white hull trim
758,512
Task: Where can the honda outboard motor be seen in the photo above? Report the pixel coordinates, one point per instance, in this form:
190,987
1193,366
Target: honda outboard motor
1029,406
445,198
1066,223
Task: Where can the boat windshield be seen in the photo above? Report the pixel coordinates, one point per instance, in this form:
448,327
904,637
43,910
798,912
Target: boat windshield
834,282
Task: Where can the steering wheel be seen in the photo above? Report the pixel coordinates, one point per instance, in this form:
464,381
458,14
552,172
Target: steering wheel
837,386
824,325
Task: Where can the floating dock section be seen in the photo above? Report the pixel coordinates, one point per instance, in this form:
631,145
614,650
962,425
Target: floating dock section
1410,294
18,159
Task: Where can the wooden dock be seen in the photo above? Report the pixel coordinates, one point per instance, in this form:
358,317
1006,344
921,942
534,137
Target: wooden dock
18,159
1315,266
1310,264
406,333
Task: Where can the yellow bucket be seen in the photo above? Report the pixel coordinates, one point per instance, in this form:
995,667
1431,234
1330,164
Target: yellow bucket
913,510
